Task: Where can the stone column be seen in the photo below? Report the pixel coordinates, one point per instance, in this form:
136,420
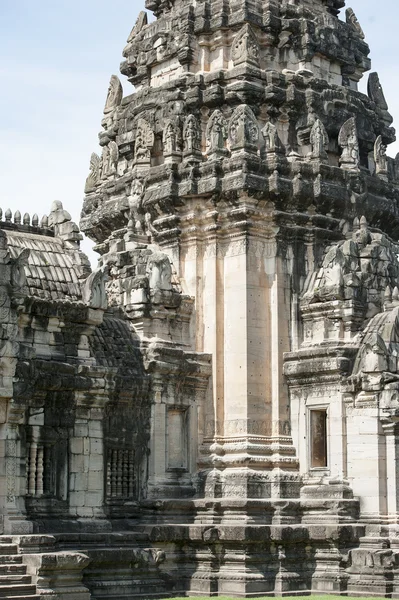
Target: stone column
87,458
390,430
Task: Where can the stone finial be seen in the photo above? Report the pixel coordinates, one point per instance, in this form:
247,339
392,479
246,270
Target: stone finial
44,221
114,96
245,47
348,141
35,220
17,217
142,21
375,91
351,19
57,214
8,215
1,214
93,290
94,176
26,219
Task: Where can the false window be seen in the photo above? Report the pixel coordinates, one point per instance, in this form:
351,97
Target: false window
318,439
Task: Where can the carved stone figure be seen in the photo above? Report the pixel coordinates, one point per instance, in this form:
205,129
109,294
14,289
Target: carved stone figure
114,96
110,160
319,140
18,276
159,271
216,134
144,142
245,48
243,129
135,206
380,157
375,91
348,141
271,137
352,20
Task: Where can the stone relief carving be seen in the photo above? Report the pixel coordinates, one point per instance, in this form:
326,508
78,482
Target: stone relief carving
18,276
144,142
171,139
380,157
319,141
351,19
93,290
191,140
135,206
348,141
375,91
114,96
216,134
243,129
94,176
245,47
271,137
110,159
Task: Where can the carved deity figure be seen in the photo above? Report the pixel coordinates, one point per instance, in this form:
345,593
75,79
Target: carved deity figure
159,272
144,142
114,96
351,19
243,129
348,140
380,157
375,91
170,139
319,140
95,173
135,201
245,47
110,159
191,136
271,137
216,133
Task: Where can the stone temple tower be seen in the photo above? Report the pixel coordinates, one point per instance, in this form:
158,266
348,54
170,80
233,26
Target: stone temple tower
247,155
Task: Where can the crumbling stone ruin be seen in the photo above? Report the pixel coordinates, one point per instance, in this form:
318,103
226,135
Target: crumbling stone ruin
214,410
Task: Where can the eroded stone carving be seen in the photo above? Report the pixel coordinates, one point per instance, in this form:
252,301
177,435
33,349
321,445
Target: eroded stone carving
271,137
144,142
348,141
245,47
319,141
114,96
380,157
95,173
375,91
93,290
216,134
141,22
352,20
243,129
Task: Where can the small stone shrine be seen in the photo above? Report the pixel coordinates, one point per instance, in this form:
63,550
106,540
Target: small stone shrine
214,410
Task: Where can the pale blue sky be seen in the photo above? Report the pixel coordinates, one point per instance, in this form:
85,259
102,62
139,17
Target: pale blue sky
57,58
